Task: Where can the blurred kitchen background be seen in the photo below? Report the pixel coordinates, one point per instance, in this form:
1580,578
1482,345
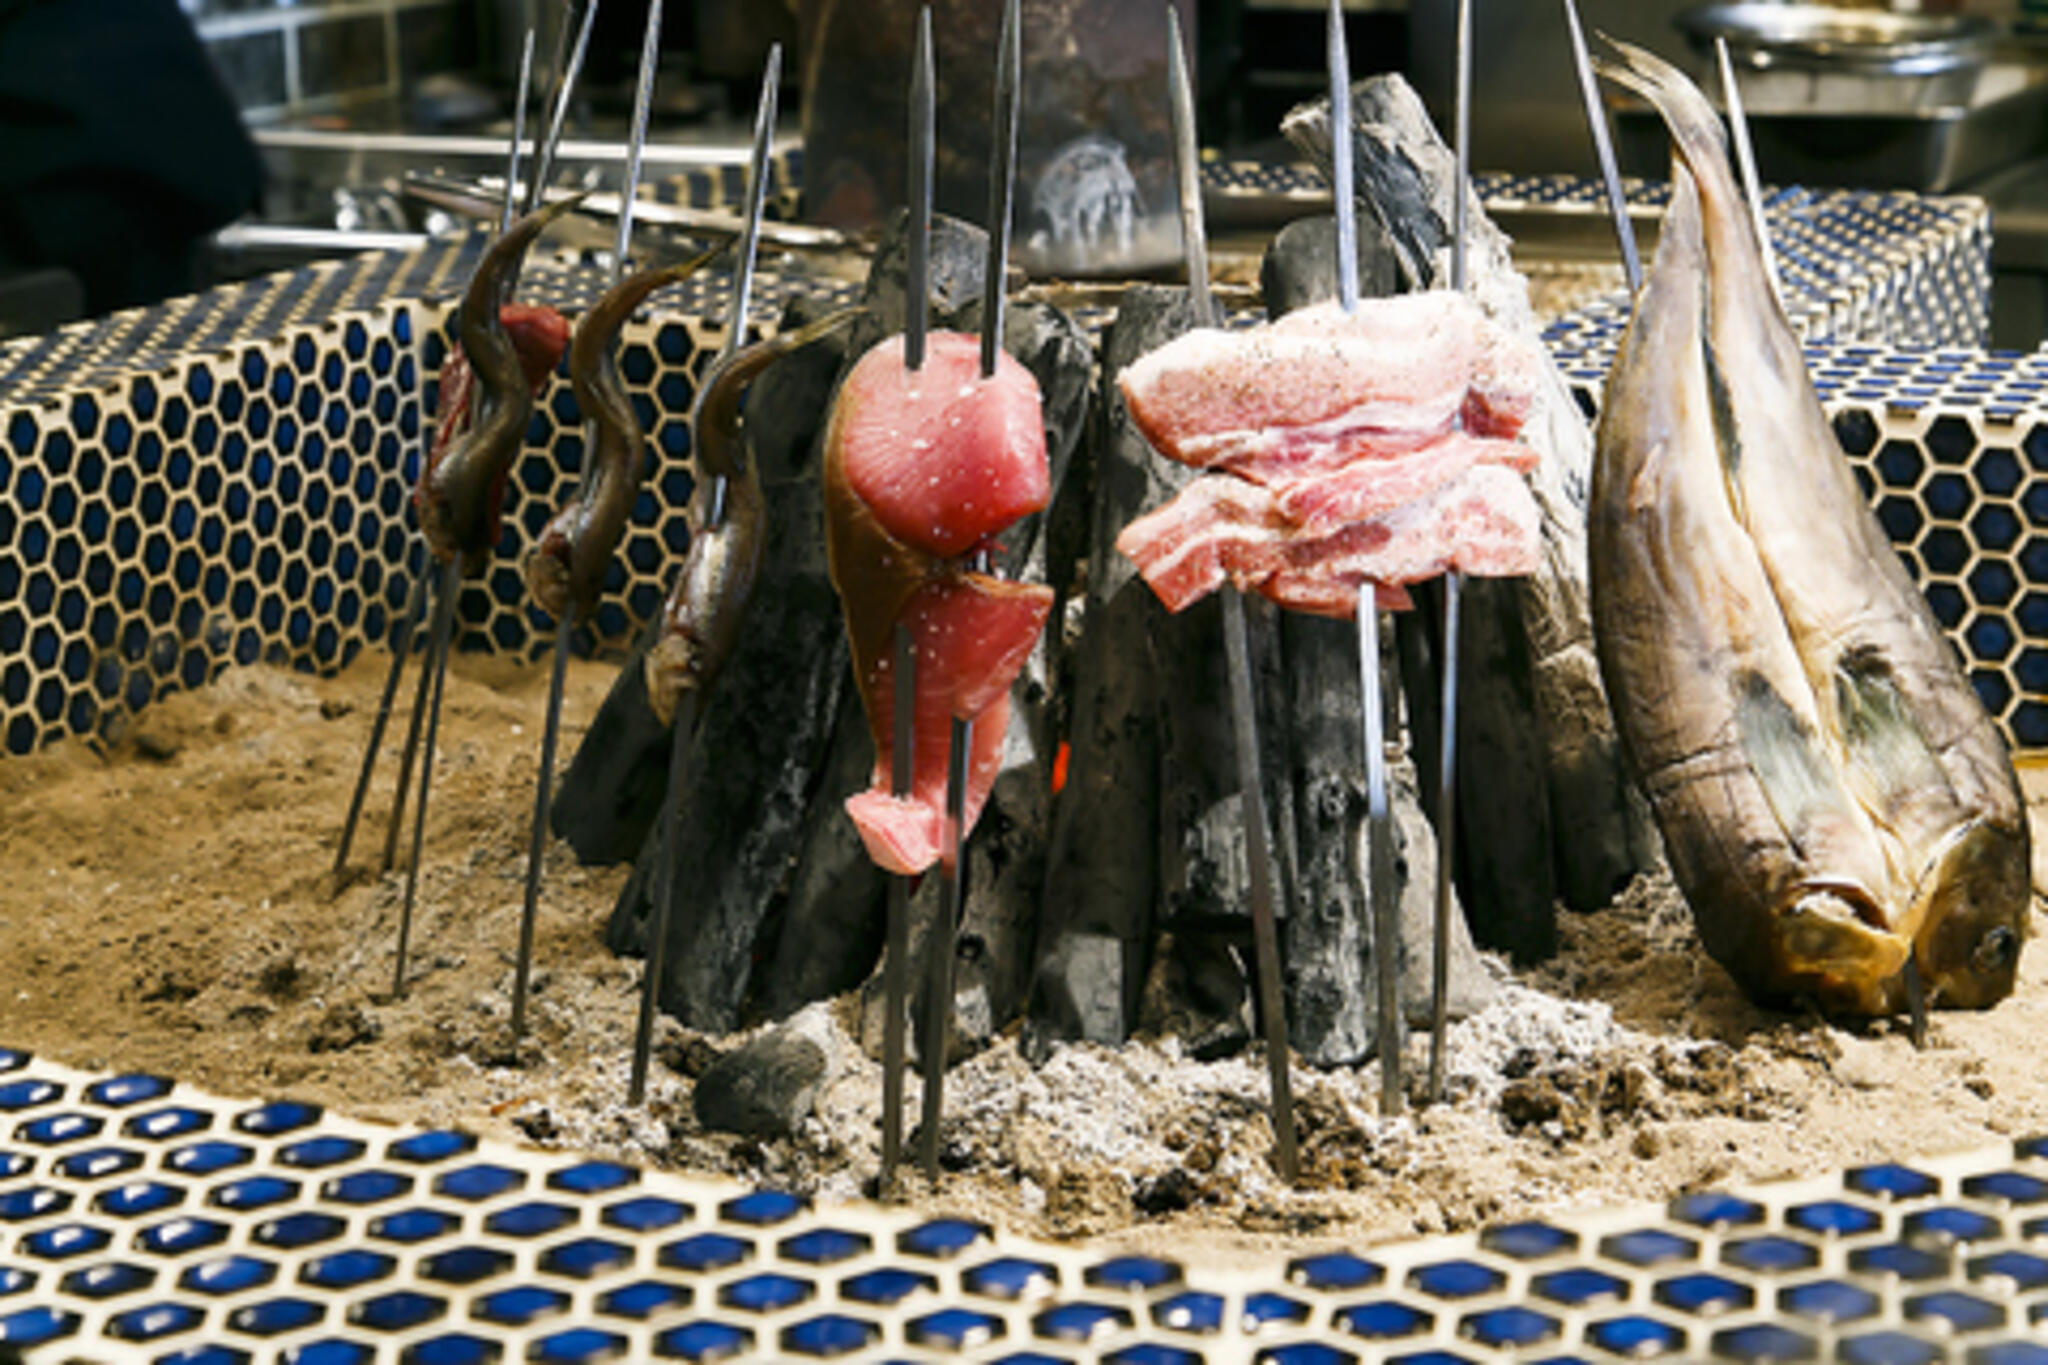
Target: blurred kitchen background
345,95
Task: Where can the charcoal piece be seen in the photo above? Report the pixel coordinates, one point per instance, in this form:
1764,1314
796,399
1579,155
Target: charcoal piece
1405,176
1300,264
612,789
833,922
766,1087
956,256
1101,880
1199,992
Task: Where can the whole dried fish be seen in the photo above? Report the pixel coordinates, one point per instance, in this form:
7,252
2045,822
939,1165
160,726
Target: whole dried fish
1838,808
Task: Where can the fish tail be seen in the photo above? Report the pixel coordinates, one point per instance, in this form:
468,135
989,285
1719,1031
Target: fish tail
1696,129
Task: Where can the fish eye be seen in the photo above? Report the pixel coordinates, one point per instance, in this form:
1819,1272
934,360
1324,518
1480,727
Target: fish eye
1997,950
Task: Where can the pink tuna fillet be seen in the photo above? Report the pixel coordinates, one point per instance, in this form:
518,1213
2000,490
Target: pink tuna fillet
944,458
919,470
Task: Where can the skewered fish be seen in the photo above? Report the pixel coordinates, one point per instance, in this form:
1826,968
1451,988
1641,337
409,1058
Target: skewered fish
1837,807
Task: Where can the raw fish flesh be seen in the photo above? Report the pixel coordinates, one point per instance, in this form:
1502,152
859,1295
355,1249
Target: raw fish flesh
921,469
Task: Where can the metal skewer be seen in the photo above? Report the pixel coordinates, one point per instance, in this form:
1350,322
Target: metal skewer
1454,582
416,603
437,652
1603,149
667,883
1745,158
939,948
916,306
565,629
1236,643
1386,905
564,89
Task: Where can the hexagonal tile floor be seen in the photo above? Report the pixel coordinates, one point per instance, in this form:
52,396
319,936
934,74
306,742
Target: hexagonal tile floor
141,1220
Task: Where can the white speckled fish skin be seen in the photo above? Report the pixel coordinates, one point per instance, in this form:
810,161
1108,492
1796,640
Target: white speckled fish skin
1832,794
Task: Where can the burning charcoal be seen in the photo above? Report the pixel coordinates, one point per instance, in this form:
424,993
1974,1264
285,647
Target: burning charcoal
764,1088
1598,837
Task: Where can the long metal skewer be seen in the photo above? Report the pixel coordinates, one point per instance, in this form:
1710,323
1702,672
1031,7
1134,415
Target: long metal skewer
939,946
564,90
565,629
1236,642
667,882
437,647
916,322
416,604
1745,159
1380,889
1454,583
1603,149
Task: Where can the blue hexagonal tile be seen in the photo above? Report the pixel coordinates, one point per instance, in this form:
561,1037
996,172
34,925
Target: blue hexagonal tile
1383,1320
161,1124
1834,1217
1079,1321
1764,1342
518,1305
98,1163
824,1246
1578,1286
27,1094
593,1177
227,1275
55,1129
761,1208
1510,1328
452,1348
1886,1348
428,1148
118,1092
274,1317
1897,1258
2009,1353
2009,1187
647,1214
1137,1274
210,1354
942,1237
1335,1272
318,1152
953,1329
346,1269
535,1218
1457,1279
1769,1255
643,1299
204,1158
177,1236
1712,1209
277,1117
1529,1241
465,1264
32,1201
413,1225
1891,1181
1935,1228
705,1251
153,1322
1636,1336
703,1341
1961,1312
1648,1247
398,1311
34,1326
366,1187
65,1240
586,1257
255,1192
578,1346
1304,1353
107,1280
2025,1273
484,1180
892,1284
766,1293
1152,1353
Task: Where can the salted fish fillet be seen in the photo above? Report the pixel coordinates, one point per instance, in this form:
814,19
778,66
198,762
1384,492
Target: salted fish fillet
1834,800
1482,522
898,515
1318,388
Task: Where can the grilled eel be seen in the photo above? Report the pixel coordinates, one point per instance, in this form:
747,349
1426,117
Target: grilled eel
568,562
1835,802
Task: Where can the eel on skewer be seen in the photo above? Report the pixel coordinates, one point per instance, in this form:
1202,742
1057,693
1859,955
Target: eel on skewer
1838,808
568,563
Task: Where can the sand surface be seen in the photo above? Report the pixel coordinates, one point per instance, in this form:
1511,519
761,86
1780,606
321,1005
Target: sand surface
168,907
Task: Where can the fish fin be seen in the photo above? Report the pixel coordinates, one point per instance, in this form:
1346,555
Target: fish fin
1785,754
1697,134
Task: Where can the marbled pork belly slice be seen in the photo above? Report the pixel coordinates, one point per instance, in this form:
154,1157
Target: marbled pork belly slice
1376,485
1321,388
896,519
1483,522
970,635
944,458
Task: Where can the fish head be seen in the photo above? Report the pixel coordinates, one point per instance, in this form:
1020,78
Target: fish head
1976,895
1832,947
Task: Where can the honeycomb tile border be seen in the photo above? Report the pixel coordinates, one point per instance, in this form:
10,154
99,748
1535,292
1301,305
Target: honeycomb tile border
143,1220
